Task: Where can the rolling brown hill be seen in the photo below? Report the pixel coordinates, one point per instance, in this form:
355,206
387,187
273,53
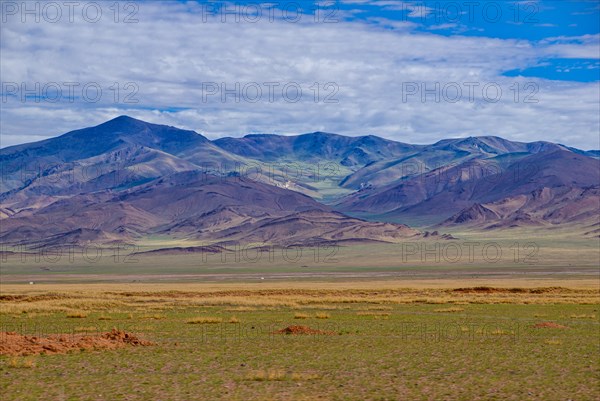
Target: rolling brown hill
192,206
127,180
469,193
117,154
543,207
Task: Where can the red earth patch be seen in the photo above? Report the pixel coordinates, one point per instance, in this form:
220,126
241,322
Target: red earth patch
18,344
302,330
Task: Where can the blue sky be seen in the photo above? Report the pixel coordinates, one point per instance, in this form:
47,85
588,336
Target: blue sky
501,19
527,20
406,70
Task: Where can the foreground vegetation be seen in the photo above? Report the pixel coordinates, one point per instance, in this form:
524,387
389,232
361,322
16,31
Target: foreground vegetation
378,341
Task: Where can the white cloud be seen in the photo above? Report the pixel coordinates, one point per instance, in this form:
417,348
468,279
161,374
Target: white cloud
586,46
171,52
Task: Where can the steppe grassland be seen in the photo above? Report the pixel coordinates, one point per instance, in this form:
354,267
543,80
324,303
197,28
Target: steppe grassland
386,340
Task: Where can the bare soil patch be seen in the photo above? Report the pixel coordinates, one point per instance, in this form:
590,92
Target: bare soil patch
549,325
490,290
17,344
295,330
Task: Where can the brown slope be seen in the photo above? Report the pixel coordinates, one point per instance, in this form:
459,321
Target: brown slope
193,206
79,237
446,152
453,181
561,168
543,207
116,155
448,190
119,169
315,227
193,193
6,212
475,214
592,231
110,221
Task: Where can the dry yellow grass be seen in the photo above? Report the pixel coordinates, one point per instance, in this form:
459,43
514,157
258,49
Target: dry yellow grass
280,375
379,307
413,284
301,316
234,319
21,363
266,375
86,329
449,310
297,376
322,315
24,301
204,320
583,316
241,309
376,314
320,306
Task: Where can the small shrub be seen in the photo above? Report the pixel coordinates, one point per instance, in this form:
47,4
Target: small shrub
379,307
21,363
584,316
304,376
266,375
449,310
85,329
204,320
374,314
241,309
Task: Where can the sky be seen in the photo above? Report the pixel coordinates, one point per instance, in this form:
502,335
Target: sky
412,71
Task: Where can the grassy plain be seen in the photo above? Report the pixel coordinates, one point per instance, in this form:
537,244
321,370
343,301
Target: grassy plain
388,340
401,323
470,255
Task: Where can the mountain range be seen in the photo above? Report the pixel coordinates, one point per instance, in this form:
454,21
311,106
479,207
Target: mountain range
126,180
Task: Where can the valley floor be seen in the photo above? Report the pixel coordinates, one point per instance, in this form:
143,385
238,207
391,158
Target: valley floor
419,339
